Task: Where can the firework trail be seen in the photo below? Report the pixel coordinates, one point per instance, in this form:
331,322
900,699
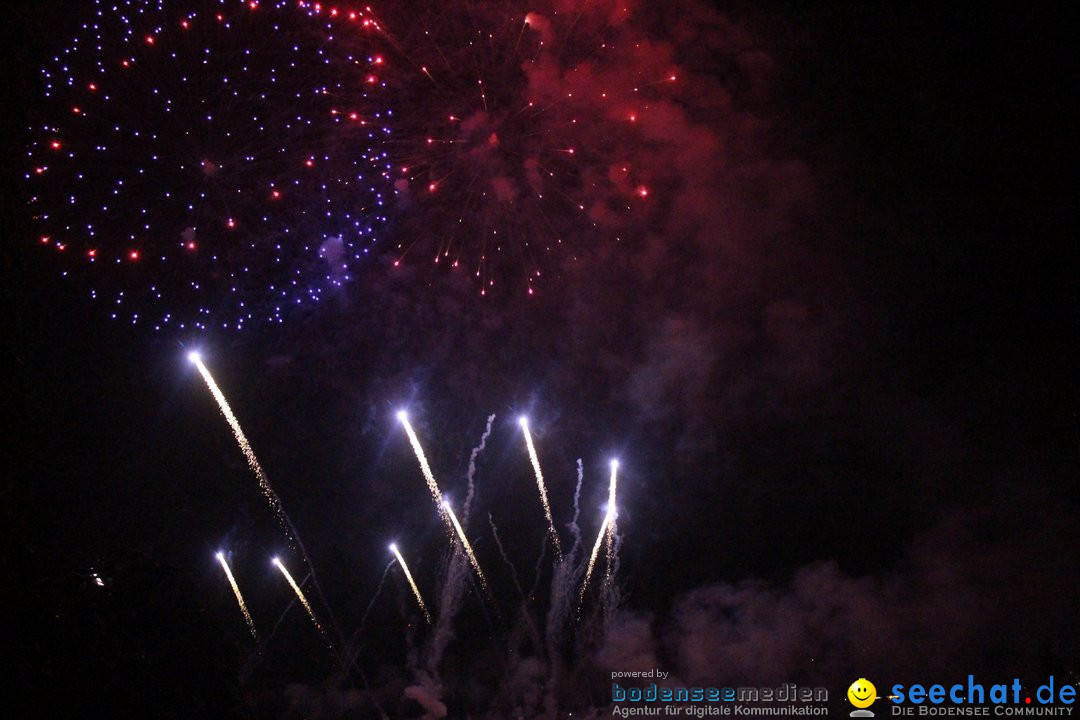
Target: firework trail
210,163
303,599
412,583
260,475
457,572
433,486
465,544
242,441
592,557
607,532
540,485
613,514
239,597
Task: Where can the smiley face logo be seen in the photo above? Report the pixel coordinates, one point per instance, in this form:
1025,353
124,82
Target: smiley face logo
862,693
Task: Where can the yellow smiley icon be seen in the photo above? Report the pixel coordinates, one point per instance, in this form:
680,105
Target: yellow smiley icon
862,693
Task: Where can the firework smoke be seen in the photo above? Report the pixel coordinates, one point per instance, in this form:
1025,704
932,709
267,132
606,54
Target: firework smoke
239,597
412,583
472,468
540,485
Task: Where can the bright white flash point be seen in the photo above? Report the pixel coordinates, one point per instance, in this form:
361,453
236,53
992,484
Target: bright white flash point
220,556
393,547
193,356
402,415
523,421
614,464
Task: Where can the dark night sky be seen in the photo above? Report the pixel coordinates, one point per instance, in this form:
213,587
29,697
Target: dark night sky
847,419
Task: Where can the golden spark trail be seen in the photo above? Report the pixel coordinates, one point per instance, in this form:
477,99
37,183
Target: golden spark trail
607,531
613,513
433,486
412,583
268,492
242,441
465,544
239,597
540,485
595,552
303,599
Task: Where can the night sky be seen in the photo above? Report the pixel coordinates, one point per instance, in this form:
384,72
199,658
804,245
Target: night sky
827,323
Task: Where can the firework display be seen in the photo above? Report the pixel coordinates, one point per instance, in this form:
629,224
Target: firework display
790,263
218,163
570,573
211,164
506,153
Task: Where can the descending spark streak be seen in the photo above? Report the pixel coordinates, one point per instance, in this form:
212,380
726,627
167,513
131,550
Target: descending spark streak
465,544
302,597
412,583
607,531
613,513
436,494
239,597
540,485
242,441
264,484
592,558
